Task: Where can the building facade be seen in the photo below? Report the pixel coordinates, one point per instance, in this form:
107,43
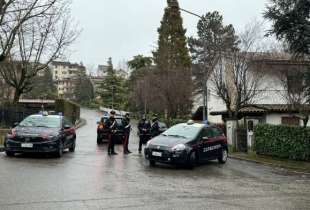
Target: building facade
65,76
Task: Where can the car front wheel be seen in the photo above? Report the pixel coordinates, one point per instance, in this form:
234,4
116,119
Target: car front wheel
192,160
9,154
59,153
223,157
152,163
72,148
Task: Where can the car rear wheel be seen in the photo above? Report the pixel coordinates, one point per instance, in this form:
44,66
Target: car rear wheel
72,148
9,154
152,163
223,157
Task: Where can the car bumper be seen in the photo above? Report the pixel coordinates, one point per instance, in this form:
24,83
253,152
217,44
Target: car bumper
37,147
104,137
168,157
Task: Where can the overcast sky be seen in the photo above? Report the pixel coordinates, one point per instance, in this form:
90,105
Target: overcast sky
123,28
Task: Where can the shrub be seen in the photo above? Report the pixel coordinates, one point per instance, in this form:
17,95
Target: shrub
282,141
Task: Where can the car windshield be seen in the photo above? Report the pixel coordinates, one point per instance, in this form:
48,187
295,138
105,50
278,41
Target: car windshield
118,120
183,131
41,121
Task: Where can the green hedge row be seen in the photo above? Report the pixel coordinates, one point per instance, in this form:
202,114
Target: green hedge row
282,141
69,109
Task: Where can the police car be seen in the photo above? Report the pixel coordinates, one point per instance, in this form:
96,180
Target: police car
188,144
41,133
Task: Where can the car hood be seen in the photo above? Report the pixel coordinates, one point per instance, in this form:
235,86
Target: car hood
168,141
36,131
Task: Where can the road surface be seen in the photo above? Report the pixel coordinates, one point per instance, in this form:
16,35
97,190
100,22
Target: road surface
90,179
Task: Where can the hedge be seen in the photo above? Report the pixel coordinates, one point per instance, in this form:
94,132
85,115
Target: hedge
69,109
282,141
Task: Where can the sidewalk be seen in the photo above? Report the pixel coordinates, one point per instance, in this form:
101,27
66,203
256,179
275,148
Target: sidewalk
297,166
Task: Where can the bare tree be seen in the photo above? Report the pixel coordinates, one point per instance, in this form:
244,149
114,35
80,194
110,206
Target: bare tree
40,40
15,13
237,79
296,83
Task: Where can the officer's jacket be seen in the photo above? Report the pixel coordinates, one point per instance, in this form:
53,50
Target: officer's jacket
111,125
126,125
155,129
144,127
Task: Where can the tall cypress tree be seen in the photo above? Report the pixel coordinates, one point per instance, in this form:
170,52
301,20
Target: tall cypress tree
174,63
112,90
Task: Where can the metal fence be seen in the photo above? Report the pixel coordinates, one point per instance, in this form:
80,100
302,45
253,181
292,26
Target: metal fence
11,115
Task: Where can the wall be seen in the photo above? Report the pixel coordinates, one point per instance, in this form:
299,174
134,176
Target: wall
276,119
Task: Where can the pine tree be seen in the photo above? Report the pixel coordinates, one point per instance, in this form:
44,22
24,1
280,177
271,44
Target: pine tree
113,91
213,39
174,63
291,23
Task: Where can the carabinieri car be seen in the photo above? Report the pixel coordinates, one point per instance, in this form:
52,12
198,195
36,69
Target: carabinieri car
41,133
188,144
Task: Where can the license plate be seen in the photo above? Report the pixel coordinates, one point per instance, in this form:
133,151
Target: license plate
27,145
157,154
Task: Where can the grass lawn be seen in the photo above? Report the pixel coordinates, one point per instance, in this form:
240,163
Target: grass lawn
300,166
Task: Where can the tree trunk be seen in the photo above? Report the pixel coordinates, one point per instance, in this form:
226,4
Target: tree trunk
305,121
17,95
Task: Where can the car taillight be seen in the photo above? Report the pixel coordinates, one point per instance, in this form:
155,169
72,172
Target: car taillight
12,134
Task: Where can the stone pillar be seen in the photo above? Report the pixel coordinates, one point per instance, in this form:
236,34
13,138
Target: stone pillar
231,126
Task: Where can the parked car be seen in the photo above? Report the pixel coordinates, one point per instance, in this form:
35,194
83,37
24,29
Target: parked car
102,130
188,144
41,133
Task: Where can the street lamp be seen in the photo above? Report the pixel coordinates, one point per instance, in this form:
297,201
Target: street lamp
205,78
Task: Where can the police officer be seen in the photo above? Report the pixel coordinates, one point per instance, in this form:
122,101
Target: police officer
112,127
144,132
127,128
155,127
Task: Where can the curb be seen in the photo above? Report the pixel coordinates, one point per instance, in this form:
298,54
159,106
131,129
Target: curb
295,170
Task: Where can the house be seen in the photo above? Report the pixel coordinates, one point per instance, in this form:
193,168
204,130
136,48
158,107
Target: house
271,105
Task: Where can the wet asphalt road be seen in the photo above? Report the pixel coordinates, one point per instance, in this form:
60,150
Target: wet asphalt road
90,179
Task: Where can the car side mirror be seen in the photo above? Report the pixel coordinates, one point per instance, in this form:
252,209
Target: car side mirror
15,124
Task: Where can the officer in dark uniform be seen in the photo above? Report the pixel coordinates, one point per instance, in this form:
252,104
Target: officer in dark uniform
144,132
155,127
112,127
127,128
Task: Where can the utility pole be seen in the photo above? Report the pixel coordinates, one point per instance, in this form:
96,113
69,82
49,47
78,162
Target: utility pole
113,96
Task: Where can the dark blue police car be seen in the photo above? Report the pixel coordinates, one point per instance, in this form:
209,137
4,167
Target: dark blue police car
41,133
188,144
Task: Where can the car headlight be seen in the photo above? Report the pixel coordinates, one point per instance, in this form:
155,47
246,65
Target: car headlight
148,143
179,147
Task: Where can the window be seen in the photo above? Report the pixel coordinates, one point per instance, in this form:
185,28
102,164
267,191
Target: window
295,82
207,132
290,121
